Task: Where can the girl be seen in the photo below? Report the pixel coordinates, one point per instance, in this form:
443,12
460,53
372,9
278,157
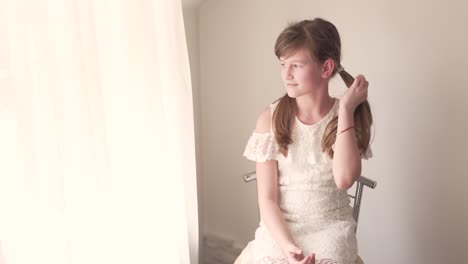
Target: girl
308,148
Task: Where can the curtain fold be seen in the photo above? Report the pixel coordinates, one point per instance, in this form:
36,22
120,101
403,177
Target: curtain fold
96,129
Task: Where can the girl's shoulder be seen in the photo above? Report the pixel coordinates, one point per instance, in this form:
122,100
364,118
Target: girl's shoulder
265,118
263,124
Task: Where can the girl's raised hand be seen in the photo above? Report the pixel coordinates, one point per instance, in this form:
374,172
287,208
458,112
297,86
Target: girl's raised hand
356,93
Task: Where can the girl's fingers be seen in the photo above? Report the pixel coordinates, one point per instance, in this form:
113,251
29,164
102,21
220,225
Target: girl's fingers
312,259
298,257
306,260
293,255
295,250
360,80
309,259
357,81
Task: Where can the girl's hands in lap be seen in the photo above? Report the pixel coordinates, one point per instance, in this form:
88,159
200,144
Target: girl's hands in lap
296,256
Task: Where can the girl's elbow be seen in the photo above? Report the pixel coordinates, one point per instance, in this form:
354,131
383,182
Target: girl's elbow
343,184
344,181
346,176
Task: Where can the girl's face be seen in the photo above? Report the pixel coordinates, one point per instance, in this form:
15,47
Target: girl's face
300,74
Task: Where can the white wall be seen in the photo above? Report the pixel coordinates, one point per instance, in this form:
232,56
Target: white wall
414,55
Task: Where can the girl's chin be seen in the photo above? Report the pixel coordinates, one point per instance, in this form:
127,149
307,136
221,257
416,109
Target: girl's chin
292,94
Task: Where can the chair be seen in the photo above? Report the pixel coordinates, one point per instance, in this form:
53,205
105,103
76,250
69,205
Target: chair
360,183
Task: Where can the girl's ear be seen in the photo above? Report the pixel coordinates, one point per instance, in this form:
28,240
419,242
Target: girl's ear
327,68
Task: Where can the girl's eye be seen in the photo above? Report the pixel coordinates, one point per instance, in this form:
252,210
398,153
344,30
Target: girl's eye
294,65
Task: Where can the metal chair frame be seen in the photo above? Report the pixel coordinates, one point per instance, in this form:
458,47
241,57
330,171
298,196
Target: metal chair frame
360,183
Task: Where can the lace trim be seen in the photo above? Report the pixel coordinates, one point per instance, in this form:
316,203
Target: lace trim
261,147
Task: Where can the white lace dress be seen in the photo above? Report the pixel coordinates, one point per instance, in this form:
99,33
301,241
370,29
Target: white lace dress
318,214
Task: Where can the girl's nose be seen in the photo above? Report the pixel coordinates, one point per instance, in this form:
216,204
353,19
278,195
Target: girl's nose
287,73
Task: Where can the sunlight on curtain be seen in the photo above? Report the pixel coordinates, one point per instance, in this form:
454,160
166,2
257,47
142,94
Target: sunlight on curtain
96,133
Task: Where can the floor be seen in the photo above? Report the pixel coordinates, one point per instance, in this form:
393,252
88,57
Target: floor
218,250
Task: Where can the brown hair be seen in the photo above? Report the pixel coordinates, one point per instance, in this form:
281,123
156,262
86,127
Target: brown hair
322,40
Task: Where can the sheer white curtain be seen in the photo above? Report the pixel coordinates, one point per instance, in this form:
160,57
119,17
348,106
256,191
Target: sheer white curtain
97,153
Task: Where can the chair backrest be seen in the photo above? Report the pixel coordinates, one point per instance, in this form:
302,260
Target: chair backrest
360,183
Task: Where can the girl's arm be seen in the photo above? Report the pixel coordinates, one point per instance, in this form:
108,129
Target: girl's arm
267,185
347,157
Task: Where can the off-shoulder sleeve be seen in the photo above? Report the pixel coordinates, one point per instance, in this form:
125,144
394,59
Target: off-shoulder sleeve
261,147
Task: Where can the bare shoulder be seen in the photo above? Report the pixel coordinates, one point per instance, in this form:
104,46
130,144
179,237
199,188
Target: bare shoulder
263,121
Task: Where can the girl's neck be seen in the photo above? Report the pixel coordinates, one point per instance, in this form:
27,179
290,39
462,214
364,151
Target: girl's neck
312,107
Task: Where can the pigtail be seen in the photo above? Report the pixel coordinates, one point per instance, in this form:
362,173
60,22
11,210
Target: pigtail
362,122
283,121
